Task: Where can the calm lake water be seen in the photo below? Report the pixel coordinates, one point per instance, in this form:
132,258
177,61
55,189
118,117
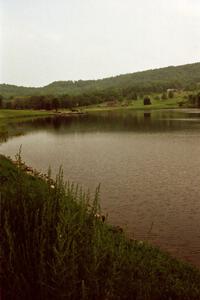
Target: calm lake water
148,164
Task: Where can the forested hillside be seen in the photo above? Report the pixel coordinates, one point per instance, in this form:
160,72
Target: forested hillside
158,80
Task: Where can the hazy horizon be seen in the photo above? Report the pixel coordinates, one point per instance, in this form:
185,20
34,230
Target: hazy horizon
44,41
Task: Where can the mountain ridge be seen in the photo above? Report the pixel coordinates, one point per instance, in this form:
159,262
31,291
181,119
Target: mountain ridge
152,80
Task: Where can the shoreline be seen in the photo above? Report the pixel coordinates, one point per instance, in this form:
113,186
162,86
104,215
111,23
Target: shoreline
28,170
141,268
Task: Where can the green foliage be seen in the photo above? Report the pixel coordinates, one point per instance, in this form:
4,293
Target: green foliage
171,94
1,101
54,247
147,101
123,86
194,100
164,96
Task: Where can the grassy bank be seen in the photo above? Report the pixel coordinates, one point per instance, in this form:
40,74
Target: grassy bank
134,105
54,247
13,113
9,117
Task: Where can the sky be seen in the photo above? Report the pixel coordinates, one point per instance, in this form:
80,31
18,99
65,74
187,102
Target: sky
42,41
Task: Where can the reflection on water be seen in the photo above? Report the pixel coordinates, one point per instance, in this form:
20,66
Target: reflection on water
138,121
148,165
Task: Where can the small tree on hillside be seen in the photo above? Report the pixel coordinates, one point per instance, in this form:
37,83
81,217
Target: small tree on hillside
198,100
55,104
171,94
147,101
164,96
1,101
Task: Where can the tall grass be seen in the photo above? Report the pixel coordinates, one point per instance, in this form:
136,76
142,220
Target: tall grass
54,247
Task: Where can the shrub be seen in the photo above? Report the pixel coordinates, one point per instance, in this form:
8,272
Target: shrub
147,101
164,96
170,94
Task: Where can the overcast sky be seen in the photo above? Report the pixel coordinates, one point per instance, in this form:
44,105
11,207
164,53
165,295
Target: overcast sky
47,40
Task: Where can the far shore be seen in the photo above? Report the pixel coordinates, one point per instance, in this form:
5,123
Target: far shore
8,116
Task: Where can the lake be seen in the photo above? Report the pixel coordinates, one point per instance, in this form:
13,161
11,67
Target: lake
147,162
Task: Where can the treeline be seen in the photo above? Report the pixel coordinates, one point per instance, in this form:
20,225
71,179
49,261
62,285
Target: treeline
194,100
69,94
151,81
49,102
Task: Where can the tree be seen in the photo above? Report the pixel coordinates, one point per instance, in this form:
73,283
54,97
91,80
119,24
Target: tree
164,96
55,104
194,100
147,101
170,94
1,101
198,100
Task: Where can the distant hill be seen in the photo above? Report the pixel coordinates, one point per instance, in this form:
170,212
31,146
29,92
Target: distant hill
157,80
